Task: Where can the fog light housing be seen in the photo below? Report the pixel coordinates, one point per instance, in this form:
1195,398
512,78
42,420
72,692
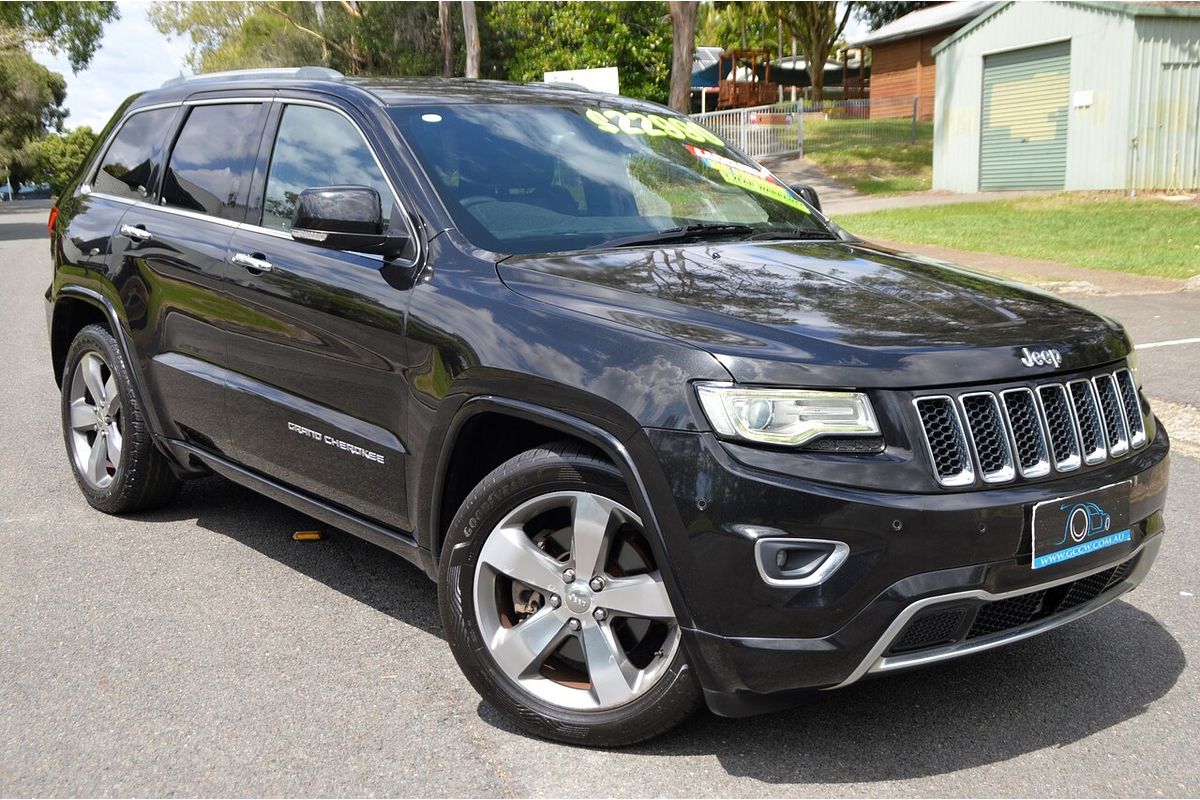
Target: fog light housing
798,563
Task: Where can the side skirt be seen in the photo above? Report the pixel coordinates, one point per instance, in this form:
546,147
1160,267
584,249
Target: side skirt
401,543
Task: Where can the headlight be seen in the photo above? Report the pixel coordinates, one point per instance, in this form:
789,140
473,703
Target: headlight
789,417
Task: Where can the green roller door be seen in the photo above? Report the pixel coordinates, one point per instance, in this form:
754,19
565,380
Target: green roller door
1026,94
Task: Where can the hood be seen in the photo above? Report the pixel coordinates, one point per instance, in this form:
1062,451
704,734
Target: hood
826,313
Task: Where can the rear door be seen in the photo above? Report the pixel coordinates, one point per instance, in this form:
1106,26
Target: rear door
317,347
171,251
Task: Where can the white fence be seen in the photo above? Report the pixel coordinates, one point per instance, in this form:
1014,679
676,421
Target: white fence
801,126
759,130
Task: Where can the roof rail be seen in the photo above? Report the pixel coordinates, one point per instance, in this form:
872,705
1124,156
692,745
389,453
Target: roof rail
300,73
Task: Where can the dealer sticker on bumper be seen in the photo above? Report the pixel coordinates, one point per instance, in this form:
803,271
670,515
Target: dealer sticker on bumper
1070,527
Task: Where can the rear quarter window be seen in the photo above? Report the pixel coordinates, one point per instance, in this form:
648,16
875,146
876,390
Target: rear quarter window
126,170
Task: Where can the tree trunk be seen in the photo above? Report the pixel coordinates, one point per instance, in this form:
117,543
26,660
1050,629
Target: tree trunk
471,32
447,38
683,39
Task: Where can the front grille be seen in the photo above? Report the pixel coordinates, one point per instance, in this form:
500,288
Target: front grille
1030,431
941,626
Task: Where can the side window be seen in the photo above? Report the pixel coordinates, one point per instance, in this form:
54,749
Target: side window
213,159
317,147
126,167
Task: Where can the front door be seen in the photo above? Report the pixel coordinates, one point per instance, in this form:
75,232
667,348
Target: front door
316,393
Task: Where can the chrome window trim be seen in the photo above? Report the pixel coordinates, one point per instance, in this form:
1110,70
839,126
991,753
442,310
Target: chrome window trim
1101,453
1138,438
1007,472
841,551
875,661
1042,467
1121,446
967,476
1076,460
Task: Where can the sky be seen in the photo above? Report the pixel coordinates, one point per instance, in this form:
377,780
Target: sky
133,57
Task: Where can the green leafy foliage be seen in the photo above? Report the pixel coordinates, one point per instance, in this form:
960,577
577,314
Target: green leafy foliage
56,159
31,99
523,40
382,38
71,27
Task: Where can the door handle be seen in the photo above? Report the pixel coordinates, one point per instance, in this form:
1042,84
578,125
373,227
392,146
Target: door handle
135,233
251,262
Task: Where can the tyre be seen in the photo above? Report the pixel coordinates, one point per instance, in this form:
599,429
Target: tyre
554,607
108,439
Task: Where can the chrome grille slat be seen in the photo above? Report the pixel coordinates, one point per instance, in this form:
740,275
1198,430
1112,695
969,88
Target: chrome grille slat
1115,429
986,430
1061,425
1133,408
1087,416
1028,434
944,441
1031,431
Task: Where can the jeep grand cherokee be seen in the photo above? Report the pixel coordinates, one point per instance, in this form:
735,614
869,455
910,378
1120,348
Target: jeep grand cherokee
662,433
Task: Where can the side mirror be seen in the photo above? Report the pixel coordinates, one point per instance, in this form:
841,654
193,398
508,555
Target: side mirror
808,193
345,218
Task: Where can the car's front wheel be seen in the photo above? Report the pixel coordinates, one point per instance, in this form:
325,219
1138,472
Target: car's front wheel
555,607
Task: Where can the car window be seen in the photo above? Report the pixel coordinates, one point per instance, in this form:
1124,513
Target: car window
317,147
213,159
557,177
126,167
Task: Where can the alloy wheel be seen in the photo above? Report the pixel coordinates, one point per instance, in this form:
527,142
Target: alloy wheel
96,430
571,604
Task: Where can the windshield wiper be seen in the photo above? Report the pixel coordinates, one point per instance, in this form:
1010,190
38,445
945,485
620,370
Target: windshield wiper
794,234
700,230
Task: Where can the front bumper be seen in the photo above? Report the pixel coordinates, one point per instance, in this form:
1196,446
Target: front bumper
957,564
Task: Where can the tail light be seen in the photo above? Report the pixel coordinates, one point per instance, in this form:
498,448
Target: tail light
50,223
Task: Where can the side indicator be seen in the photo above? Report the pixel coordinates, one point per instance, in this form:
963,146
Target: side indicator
50,223
306,536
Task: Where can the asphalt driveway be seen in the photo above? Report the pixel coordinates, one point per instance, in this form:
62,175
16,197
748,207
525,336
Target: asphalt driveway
200,650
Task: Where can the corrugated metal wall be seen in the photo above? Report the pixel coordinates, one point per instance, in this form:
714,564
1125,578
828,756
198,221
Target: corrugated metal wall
1166,84
1024,136
1102,55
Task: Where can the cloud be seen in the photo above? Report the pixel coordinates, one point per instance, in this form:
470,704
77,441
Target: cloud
133,57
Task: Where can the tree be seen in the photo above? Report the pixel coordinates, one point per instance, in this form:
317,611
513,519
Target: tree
817,28
59,26
745,25
524,40
357,38
471,37
878,13
56,159
31,99
683,47
445,27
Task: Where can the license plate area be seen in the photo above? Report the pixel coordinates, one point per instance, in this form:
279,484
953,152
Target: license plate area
1078,525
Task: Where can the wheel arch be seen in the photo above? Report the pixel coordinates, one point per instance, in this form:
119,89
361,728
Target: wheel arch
548,425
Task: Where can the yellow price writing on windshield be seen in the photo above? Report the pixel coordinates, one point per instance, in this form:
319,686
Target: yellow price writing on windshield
635,123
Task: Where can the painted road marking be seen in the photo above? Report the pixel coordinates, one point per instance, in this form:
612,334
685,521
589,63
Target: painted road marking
1169,343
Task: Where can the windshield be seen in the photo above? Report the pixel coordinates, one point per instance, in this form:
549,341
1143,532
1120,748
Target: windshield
552,178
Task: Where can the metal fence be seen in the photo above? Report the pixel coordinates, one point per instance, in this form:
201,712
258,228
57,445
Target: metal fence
805,126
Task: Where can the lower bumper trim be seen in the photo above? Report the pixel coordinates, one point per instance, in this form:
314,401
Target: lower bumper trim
877,662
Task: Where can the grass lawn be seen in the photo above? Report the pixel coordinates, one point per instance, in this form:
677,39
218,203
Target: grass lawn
873,156
1101,231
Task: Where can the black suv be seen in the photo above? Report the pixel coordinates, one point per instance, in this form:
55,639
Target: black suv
662,433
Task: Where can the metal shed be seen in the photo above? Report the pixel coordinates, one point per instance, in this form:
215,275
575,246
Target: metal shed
1070,95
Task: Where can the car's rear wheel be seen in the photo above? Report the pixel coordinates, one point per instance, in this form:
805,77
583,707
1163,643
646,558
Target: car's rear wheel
108,439
555,606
